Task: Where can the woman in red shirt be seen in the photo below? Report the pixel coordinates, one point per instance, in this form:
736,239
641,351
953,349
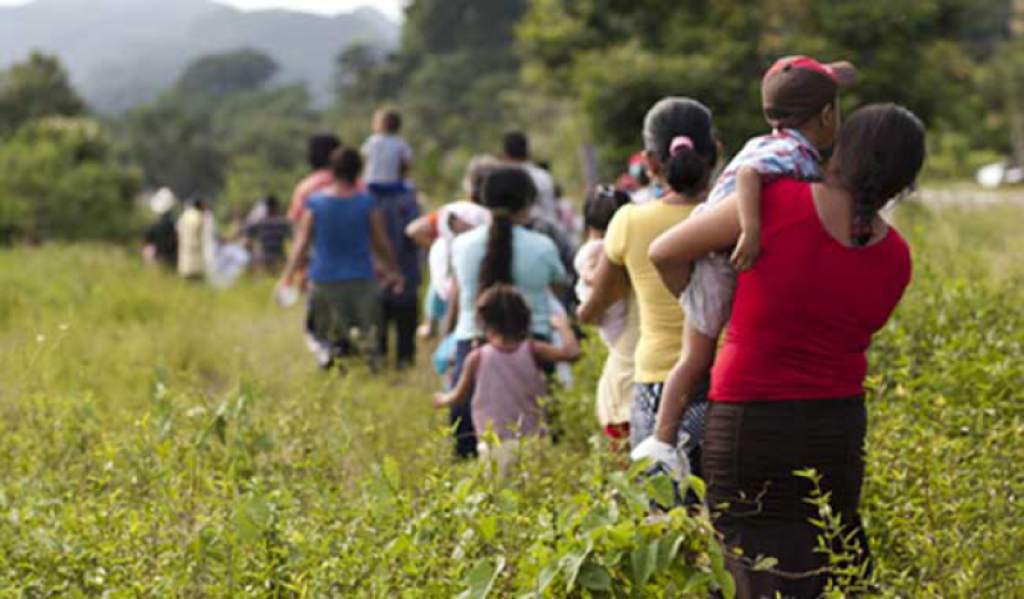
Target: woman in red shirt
787,385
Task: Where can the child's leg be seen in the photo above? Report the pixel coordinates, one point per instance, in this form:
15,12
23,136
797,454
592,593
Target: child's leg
686,376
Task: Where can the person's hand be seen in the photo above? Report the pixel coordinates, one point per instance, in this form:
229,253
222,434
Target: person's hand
441,400
748,248
398,284
285,294
393,282
672,459
581,313
559,322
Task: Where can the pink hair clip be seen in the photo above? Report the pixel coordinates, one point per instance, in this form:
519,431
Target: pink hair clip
679,144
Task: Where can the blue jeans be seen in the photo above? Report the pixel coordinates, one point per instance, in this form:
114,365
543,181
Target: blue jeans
644,413
461,415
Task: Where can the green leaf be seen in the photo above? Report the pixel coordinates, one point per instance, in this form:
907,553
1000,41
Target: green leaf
668,548
571,564
696,582
263,443
595,577
722,576
764,563
661,490
252,518
488,526
480,579
389,468
546,576
644,561
595,518
698,486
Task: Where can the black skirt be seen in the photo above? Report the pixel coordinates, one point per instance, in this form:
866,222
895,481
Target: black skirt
750,453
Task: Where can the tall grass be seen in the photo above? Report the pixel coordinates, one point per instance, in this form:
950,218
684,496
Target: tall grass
159,438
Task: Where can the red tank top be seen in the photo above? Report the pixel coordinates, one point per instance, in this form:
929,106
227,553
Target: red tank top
803,317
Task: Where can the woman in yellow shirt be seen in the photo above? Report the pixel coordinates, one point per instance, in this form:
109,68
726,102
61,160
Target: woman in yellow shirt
680,151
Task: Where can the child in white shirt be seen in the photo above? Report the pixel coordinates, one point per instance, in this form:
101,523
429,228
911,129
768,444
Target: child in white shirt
618,328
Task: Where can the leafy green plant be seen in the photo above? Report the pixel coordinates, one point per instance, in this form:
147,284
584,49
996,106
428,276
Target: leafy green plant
163,439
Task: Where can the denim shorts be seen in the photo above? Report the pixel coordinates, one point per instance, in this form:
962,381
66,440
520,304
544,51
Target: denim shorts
644,414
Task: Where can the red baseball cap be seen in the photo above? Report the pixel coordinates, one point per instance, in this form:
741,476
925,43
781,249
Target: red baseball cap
843,73
796,88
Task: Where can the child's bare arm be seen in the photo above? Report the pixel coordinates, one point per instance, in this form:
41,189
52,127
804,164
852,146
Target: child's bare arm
568,351
461,391
693,365
748,192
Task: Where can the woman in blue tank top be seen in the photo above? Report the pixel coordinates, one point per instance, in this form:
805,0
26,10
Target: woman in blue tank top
345,231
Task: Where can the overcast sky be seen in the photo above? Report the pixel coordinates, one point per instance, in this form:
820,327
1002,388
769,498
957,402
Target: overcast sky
392,8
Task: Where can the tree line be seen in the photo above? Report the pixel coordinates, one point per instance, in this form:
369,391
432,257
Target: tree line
573,73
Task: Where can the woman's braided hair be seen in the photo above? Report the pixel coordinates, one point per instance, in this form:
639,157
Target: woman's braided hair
506,191
864,210
878,154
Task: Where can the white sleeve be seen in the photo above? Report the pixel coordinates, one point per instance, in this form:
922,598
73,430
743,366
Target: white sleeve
437,261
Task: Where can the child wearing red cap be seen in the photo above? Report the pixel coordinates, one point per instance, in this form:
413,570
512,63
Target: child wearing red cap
799,97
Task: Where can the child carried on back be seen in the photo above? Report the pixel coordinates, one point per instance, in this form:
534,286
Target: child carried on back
504,379
388,156
800,101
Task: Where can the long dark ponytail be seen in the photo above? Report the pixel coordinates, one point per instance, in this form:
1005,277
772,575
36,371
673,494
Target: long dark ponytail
679,132
878,154
506,192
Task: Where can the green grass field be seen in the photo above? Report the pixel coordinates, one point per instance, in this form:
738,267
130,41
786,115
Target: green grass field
162,439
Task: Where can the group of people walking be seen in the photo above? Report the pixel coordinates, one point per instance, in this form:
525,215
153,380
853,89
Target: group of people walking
191,244
789,257
350,246
737,304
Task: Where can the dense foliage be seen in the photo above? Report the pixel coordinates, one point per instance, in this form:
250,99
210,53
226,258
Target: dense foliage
59,177
162,439
59,180
576,74
454,76
224,129
617,58
36,88
584,72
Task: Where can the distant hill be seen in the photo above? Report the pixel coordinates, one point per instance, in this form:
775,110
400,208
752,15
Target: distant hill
124,52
